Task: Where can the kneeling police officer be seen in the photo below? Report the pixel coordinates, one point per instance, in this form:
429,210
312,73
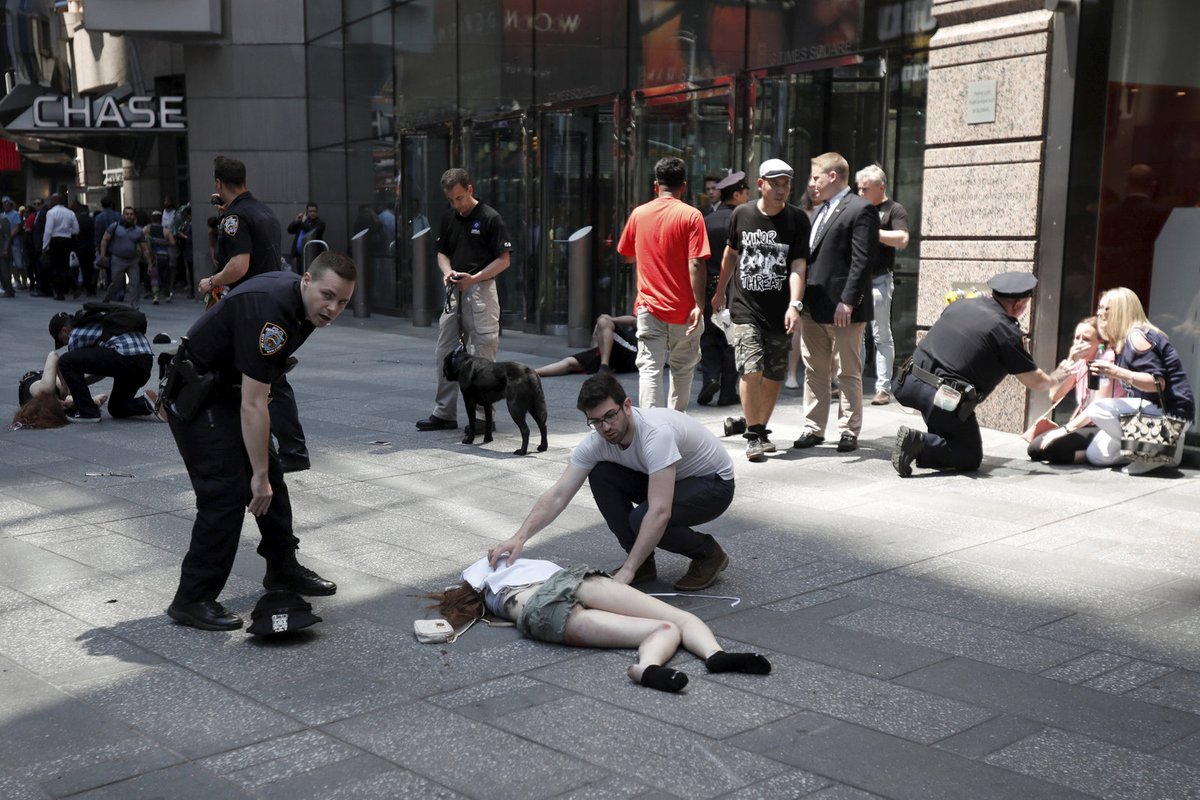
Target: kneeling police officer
216,395
965,355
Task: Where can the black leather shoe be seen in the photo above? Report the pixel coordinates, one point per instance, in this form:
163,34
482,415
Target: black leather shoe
433,423
708,392
847,443
207,615
293,577
291,463
909,444
808,439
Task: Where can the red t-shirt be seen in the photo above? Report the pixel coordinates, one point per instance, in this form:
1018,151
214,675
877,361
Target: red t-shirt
663,235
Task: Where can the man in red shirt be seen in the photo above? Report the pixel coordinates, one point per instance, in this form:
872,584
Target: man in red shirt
667,240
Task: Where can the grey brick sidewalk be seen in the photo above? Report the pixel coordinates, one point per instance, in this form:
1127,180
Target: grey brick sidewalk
1026,632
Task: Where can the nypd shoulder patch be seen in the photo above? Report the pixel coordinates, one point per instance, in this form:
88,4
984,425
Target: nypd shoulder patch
271,339
229,225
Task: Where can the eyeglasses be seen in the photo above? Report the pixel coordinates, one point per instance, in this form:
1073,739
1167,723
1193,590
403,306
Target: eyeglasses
607,420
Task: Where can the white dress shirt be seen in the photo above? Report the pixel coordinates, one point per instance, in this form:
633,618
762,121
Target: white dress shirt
61,223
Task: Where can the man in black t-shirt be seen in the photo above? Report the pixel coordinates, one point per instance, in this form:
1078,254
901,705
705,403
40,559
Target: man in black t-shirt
472,249
766,254
893,236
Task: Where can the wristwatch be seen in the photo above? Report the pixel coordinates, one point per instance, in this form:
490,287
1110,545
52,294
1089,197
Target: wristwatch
797,304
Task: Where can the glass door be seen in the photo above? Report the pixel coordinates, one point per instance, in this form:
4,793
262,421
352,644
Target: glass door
695,126
496,160
577,190
424,156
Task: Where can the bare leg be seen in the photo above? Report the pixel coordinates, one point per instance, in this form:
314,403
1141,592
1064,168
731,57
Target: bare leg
602,335
656,640
605,594
759,396
566,366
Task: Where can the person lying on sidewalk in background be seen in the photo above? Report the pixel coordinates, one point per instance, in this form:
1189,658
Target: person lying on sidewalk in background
614,349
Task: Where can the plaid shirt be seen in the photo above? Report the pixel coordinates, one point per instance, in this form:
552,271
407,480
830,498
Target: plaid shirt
126,344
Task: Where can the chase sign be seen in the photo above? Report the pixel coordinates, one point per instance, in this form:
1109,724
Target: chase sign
55,113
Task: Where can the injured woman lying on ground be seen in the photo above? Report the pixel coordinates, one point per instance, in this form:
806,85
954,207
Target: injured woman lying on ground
583,607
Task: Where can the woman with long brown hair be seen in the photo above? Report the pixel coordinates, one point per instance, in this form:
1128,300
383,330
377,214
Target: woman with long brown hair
47,401
583,607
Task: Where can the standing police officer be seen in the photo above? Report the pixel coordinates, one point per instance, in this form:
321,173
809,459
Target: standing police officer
965,355
242,343
248,244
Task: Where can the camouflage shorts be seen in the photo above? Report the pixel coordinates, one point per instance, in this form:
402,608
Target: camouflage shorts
756,350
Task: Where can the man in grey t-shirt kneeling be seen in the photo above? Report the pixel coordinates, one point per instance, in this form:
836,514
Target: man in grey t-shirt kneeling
654,472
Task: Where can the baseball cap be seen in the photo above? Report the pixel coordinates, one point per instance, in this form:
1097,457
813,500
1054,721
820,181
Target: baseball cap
774,168
57,323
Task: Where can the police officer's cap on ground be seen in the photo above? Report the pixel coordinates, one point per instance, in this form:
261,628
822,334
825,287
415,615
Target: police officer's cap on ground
281,612
57,323
1012,285
774,168
732,179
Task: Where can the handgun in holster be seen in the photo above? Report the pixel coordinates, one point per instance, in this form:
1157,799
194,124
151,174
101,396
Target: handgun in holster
185,389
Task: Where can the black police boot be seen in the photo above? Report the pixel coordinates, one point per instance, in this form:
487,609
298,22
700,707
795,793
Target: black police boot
289,575
207,615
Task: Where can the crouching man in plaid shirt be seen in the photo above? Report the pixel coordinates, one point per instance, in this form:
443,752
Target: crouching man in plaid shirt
91,354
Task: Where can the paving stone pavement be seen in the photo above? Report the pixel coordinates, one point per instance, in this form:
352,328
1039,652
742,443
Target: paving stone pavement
1026,632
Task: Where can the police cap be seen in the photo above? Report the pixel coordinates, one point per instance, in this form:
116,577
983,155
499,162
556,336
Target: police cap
57,323
280,612
732,179
1014,285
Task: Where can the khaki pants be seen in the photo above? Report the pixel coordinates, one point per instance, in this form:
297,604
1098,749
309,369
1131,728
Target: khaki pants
820,344
480,322
662,343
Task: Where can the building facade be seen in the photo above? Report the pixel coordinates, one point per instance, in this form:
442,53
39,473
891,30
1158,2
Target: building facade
1016,132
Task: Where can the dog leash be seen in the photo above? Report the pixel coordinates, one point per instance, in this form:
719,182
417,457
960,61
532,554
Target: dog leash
735,600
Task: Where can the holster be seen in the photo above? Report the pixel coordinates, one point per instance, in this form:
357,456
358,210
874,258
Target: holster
185,390
970,395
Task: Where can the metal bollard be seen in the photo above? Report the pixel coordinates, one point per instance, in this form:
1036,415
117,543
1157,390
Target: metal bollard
579,288
358,251
312,249
422,312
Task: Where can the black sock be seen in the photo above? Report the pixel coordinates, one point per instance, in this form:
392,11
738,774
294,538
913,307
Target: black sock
750,663
759,429
663,678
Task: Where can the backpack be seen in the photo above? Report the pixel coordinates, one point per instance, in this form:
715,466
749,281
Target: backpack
114,319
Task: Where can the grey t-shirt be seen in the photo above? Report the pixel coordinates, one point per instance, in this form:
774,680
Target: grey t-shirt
661,437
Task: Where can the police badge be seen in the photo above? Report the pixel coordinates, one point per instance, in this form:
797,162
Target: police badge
271,339
229,224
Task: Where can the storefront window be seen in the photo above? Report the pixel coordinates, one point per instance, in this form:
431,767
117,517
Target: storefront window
425,40
687,40
370,105
497,167
496,70
326,91
370,179
1149,222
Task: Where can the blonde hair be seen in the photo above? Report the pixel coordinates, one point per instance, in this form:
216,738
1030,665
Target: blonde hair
1125,313
833,162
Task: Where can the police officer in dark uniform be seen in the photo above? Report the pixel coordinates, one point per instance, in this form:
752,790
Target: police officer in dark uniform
718,369
240,346
248,244
965,355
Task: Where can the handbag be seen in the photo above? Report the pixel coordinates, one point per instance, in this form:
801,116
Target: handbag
1151,439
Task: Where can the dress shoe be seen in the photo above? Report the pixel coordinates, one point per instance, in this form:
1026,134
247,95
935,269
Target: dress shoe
709,392
881,399
808,439
294,463
730,399
703,572
909,444
847,443
289,575
433,423
207,615
735,425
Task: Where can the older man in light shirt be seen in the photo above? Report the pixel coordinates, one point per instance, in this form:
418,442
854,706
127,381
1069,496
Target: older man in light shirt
62,226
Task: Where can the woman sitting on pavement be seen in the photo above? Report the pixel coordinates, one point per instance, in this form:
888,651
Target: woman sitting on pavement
1146,362
44,399
583,607
1068,443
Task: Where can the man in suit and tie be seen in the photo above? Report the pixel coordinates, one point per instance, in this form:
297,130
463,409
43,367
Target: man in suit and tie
837,297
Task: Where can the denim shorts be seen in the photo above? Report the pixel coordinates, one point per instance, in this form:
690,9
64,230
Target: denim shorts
545,614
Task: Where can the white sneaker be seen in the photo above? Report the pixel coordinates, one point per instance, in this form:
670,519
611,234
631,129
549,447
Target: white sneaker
755,450
791,383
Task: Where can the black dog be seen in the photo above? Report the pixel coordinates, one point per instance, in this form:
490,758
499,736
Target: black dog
484,382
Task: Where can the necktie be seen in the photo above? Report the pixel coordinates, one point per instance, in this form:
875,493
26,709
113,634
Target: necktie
818,222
